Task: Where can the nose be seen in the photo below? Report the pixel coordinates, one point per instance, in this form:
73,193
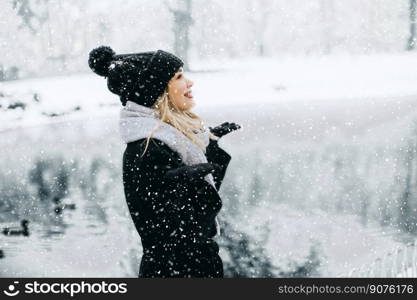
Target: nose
190,83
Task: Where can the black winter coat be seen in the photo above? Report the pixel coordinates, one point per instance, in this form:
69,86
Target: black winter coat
175,220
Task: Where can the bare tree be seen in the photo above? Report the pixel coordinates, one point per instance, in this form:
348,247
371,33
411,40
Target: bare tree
413,12
407,206
327,13
258,18
53,30
182,23
33,15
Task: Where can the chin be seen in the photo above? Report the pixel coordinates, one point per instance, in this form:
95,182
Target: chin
188,108
189,105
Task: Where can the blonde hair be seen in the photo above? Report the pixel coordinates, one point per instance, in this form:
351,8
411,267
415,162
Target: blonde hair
186,122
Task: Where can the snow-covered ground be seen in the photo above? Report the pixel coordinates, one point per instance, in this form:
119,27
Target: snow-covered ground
314,82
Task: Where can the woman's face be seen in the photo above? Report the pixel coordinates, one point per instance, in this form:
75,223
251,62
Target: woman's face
179,91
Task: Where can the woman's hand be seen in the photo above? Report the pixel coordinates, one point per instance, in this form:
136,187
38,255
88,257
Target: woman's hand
191,173
224,129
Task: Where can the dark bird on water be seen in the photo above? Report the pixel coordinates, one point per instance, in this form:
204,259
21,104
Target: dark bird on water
23,230
60,208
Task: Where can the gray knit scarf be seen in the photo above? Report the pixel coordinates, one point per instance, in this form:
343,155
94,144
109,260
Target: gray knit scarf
138,121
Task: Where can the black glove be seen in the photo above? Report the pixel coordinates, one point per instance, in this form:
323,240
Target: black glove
224,129
191,173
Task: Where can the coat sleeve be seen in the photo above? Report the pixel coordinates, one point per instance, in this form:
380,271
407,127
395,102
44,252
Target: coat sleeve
217,155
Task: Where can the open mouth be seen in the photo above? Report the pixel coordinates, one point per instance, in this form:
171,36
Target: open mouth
189,94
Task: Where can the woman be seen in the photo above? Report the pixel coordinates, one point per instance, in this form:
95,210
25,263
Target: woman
172,166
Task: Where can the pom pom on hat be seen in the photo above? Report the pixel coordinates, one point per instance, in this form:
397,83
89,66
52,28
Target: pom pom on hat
100,59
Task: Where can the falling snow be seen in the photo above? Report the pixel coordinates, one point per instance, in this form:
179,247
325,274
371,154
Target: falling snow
322,180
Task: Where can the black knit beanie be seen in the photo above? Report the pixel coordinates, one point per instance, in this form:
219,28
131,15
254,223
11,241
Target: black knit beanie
138,77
